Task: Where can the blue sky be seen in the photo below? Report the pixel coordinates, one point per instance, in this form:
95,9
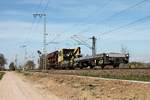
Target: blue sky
66,18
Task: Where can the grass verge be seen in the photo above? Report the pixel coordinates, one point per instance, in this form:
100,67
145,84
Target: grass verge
1,75
130,77
123,77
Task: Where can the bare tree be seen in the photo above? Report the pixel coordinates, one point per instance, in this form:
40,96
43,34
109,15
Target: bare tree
30,64
2,62
12,66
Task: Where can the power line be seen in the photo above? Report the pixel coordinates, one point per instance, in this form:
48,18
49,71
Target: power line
80,41
126,25
40,5
87,17
44,16
39,8
33,24
116,14
46,6
91,14
126,9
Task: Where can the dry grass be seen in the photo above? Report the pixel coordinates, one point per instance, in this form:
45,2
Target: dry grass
71,87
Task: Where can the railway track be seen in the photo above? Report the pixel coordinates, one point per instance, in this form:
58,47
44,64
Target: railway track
100,72
97,69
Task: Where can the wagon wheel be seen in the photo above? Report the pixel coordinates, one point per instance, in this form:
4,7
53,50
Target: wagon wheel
102,66
115,66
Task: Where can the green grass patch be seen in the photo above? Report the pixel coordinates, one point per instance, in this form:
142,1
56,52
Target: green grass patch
89,74
133,76
130,77
26,73
1,75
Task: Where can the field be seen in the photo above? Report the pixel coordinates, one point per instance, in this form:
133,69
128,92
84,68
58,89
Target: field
1,75
75,85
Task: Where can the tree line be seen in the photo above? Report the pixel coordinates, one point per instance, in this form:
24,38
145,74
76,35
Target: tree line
12,66
3,61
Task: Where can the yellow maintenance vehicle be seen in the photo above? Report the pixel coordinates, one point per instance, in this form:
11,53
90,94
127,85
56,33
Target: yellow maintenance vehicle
63,58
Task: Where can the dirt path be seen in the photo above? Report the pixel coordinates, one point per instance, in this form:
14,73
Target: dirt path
13,87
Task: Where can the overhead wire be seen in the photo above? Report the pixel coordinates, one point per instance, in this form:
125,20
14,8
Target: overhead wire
87,17
46,6
126,25
91,14
110,17
40,10
35,22
120,12
116,14
30,30
124,10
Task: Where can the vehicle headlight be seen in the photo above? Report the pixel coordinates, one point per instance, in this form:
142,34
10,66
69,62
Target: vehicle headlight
107,55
